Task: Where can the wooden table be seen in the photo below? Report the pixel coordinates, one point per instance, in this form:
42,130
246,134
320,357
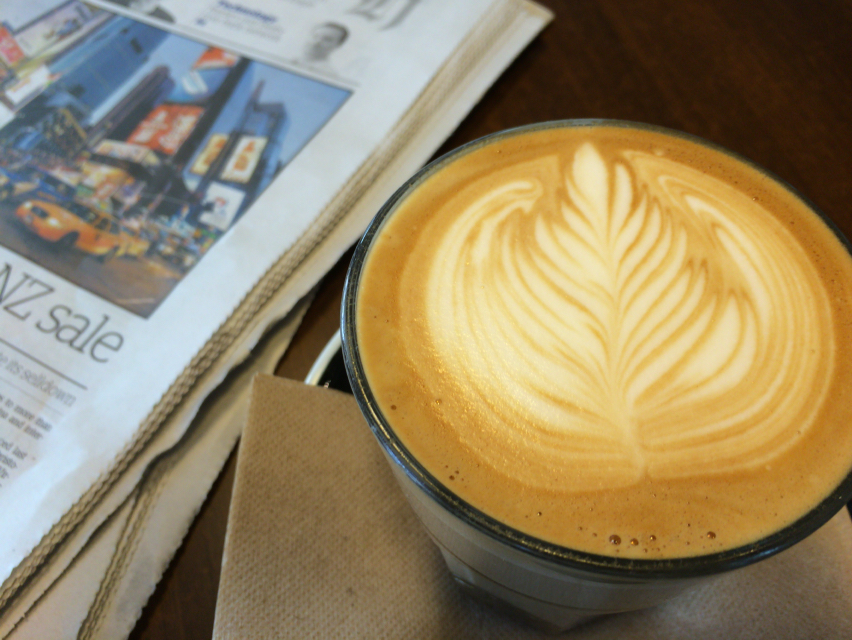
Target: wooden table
769,79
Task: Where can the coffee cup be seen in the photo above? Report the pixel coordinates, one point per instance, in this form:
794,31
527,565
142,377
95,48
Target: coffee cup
606,361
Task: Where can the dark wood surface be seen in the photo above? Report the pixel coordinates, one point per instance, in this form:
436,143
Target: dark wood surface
769,79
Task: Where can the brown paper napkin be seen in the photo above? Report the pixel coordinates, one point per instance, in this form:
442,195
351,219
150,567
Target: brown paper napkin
321,544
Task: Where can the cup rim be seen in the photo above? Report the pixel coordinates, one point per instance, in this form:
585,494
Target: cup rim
670,568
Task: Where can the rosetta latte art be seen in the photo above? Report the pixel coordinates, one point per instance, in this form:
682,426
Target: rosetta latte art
638,319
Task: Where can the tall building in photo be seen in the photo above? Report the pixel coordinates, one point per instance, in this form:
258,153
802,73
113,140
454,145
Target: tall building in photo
84,76
123,118
91,71
236,166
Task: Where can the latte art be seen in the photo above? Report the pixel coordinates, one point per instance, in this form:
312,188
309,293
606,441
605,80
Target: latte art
624,319
614,339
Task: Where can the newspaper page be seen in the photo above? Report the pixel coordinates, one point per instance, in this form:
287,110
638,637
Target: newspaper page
156,158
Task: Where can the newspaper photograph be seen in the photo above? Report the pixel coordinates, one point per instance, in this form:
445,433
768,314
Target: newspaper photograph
186,137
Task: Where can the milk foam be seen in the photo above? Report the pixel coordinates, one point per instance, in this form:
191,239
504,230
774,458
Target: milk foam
598,334
654,322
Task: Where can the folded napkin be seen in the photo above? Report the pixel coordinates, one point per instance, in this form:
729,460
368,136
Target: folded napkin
322,544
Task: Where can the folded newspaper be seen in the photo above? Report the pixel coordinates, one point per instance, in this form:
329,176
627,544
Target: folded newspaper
174,178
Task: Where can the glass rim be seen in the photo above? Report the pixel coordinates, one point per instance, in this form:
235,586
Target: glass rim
650,568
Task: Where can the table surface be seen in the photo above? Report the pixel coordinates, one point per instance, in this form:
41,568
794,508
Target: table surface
770,80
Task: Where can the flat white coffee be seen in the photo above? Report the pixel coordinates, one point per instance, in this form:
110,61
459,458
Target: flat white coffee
614,339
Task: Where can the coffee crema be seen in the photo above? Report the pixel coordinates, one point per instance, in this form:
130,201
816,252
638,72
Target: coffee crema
615,340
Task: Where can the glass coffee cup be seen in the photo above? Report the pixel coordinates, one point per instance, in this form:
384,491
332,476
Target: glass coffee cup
605,361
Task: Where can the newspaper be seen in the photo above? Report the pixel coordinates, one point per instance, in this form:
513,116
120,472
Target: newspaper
165,169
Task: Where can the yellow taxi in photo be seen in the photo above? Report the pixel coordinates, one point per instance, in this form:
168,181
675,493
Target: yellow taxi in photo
133,242
72,224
